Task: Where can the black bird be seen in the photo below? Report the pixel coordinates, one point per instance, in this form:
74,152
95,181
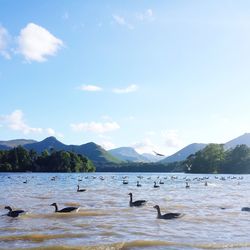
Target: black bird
64,210
156,186
246,209
135,203
138,184
167,216
14,213
80,190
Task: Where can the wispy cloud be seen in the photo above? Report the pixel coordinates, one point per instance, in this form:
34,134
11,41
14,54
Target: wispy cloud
4,38
95,127
36,43
92,88
147,15
129,89
172,139
15,121
122,21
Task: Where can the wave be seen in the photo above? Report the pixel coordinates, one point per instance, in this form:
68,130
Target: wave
121,245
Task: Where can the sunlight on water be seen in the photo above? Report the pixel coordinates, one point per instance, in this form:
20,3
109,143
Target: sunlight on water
212,216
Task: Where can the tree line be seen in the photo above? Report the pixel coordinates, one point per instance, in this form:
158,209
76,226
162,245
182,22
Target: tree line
19,159
215,159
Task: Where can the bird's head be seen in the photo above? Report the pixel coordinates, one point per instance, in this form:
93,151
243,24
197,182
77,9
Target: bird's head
53,204
156,207
130,194
8,207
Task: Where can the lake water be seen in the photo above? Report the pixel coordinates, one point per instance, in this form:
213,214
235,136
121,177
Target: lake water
105,220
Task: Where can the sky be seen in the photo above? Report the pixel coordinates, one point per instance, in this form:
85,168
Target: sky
153,75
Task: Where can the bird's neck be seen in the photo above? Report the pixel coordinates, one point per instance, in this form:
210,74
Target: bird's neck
9,208
158,212
130,199
56,208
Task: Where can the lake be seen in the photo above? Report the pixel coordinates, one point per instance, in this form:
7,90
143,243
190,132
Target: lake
105,220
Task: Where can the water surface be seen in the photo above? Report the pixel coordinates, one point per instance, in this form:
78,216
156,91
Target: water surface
105,220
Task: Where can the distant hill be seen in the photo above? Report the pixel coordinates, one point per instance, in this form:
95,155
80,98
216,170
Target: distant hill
91,150
184,153
128,154
243,139
15,143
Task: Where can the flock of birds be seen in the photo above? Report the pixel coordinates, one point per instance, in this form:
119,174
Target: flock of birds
138,203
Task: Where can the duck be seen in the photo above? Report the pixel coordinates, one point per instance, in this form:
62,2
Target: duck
167,216
80,190
156,186
13,213
64,210
246,209
136,203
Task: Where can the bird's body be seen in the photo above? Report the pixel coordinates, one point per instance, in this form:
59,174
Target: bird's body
13,213
167,216
246,209
137,203
80,190
64,210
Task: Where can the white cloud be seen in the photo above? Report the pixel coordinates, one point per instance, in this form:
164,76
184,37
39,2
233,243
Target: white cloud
129,89
145,146
171,139
36,43
95,127
15,121
90,88
107,145
122,22
4,38
146,15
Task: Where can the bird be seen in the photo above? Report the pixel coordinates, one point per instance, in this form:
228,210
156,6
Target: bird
136,203
156,186
138,184
246,209
167,216
124,182
158,154
80,190
187,185
64,210
13,213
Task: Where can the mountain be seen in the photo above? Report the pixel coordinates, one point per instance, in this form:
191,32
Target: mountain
243,139
127,154
47,144
91,150
184,153
15,143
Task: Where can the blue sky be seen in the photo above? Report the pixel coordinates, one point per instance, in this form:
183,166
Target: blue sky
155,75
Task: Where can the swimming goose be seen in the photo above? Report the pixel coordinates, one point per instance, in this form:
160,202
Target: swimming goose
80,190
156,186
135,203
12,213
138,184
64,210
246,209
167,216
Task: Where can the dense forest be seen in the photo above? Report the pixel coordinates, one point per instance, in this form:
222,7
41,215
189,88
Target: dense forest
215,159
19,160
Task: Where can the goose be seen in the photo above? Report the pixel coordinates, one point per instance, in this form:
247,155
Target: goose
64,210
124,182
187,185
138,184
80,190
156,186
13,213
167,216
246,209
135,203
